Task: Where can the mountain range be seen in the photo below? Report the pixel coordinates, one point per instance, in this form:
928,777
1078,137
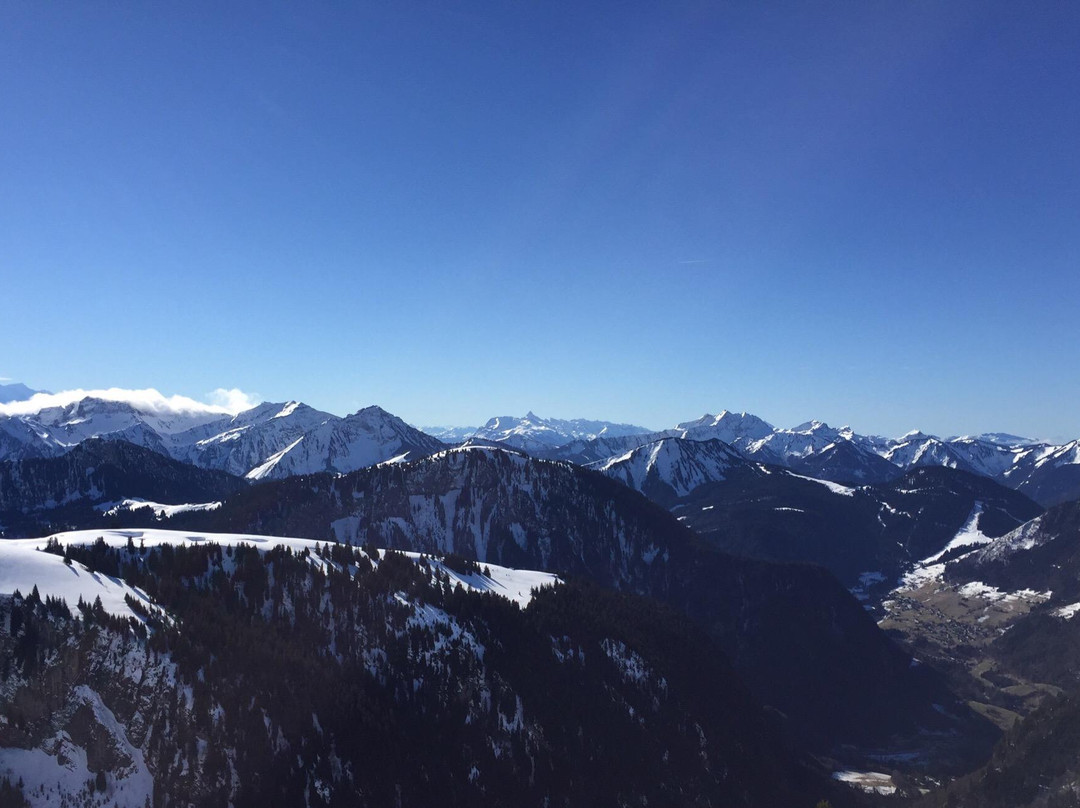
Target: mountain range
879,609
275,440
531,433
1047,473
867,535
267,441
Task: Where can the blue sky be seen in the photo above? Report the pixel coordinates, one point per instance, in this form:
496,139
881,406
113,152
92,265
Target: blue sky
867,213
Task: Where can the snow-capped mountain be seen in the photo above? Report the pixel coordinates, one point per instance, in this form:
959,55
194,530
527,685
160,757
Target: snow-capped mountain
736,429
48,425
999,438
846,460
739,430
1047,474
766,511
919,449
988,456
672,467
269,440
281,439
20,438
584,452
365,438
450,434
251,438
1040,556
532,433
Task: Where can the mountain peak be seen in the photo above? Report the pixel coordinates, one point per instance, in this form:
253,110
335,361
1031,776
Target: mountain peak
728,426
374,410
914,434
813,426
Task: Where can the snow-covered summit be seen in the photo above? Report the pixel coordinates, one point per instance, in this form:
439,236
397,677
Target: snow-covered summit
284,439
678,464
730,427
912,434
146,401
271,439
533,433
49,424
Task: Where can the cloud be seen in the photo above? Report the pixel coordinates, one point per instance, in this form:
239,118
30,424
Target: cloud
4,379
234,400
225,402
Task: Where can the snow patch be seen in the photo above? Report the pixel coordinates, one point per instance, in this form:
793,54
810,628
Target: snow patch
977,589
159,509
59,768
288,409
1067,612
870,782
24,564
969,535
836,488
267,466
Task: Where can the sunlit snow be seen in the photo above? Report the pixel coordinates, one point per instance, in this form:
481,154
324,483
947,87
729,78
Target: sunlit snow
24,564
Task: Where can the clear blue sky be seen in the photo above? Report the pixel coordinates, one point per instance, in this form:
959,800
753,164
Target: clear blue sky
867,213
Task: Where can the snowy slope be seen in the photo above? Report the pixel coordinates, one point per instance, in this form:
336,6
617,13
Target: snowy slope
1047,474
159,509
269,440
677,464
107,696
737,429
798,442
969,537
1025,537
251,438
987,457
24,564
919,449
47,425
357,441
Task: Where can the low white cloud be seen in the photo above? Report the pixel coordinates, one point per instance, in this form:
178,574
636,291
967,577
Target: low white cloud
224,402
234,400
